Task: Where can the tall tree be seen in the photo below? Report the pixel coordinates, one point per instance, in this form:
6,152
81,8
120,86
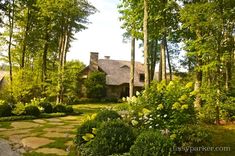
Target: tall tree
146,56
132,70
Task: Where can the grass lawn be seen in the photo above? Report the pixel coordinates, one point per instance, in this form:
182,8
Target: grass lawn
223,136
94,108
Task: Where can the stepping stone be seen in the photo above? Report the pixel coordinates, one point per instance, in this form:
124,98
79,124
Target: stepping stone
23,125
54,120
3,129
67,127
58,135
35,142
17,138
52,151
15,131
56,123
57,129
70,118
40,121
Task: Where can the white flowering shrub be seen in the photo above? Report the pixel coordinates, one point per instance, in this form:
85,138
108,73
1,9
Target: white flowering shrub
164,106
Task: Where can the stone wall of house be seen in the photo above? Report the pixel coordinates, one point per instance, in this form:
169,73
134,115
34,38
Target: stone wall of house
113,91
120,91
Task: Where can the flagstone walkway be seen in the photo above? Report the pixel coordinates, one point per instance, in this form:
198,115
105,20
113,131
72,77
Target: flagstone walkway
46,136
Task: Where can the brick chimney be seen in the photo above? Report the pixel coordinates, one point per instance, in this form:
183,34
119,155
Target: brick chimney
94,61
107,57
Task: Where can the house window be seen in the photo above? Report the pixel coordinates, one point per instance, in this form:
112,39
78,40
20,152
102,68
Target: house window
141,77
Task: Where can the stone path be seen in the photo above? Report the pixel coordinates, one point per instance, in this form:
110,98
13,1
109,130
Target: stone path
38,135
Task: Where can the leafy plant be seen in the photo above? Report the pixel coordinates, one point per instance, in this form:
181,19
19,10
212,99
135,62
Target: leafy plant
191,136
106,115
152,143
112,137
95,85
19,109
164,106
61,108
5,109
32,110
86,131
47,107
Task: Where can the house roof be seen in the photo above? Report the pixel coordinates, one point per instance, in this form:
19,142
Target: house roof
118,71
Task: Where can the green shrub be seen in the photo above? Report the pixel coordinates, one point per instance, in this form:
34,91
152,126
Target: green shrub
47,107
228,109
88,127
152,143
32,110
61,108
95,85
5,109
164,105
19,109
191,136
112,137
69,109
106,115
207,114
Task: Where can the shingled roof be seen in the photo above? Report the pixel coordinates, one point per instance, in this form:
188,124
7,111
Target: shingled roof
118,72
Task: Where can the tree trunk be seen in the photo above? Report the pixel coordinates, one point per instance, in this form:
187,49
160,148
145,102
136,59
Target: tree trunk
153,56
25,39
146,56
168,60
163,54
44,58
63,46
11,15
197,86
160,67
132,71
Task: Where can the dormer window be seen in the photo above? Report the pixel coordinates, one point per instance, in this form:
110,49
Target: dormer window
141,77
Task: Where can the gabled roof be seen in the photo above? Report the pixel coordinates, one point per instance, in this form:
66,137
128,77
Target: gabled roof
118,72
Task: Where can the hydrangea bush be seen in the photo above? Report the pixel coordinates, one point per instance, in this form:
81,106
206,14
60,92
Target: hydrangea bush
164,106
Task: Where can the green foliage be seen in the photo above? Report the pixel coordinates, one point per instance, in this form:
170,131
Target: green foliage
152,143
86,128
62,108
95,85
73,81
164,106
25,86
191,136
207,114
32,110
106,115
47,107
19,109
112,137
5,109
69,109
59,108
228,109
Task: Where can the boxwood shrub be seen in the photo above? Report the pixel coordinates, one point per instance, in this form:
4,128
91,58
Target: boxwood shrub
32,110
5,109
106,115
152,143
113,137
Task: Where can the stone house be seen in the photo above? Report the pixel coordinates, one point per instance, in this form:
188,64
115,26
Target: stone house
117,74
